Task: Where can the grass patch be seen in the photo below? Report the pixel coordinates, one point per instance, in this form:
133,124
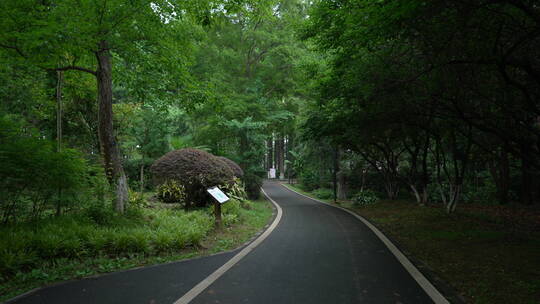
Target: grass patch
76,246
476,250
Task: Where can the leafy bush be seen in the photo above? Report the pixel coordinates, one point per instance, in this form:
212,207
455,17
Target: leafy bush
136,200
33,174
365,198
238,172
101,215
253,182
324,193
171,192
231,212
236,190
25,246
132,168
196,170
309,180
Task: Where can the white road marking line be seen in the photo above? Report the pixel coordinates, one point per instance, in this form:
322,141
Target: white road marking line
195,291
426,285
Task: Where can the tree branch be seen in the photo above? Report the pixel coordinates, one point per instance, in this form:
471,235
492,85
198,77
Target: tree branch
77,68
16,49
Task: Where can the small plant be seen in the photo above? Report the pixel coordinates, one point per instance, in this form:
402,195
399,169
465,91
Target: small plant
136,199
324,193
171,192
365,198
236,190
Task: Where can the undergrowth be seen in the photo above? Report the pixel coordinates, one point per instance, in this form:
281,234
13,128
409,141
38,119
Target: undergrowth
97,241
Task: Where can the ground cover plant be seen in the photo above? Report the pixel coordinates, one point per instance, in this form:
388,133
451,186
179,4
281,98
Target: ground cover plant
78,245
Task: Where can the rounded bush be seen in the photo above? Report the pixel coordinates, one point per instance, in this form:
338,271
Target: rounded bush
194,169
238,172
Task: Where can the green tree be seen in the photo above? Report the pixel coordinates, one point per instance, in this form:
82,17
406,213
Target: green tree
141,33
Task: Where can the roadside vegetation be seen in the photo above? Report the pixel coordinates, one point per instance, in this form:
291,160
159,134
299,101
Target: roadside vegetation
92,105
93,242
111,116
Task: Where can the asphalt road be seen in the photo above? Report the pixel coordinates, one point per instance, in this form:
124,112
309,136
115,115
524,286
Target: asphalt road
317,254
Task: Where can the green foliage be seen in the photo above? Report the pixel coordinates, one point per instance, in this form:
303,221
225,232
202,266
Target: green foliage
324,193
236,190
309,180
136,201
132,168
396,69
88,235
34,177
253,182
171,192
365,198
231,212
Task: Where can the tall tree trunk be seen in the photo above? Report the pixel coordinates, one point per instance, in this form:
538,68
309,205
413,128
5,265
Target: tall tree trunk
276,157
109,147
527,196
270,153
59,85
141,181
281,153
500,173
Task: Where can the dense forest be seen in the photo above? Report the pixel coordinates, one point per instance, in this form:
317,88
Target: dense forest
431,102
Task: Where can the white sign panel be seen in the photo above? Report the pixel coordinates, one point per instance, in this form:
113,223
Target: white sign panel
218,194
272,173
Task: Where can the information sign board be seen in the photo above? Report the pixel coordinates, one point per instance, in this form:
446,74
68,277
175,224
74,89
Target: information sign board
218,194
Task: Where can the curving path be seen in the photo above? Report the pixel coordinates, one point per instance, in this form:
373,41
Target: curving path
317,254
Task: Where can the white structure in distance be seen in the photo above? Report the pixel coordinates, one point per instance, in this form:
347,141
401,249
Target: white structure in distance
272,173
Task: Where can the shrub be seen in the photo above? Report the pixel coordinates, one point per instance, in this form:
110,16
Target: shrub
196,170
365,198
253,182
236,190
238,172
309,180
32,172
324,193
132,168
101,215
24,246
171,192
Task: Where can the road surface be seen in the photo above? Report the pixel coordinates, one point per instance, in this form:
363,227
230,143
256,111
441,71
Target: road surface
316,254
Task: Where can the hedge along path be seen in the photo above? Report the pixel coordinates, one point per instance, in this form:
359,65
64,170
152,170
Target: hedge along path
195,291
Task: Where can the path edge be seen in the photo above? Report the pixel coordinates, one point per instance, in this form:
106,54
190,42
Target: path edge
417,275
205,283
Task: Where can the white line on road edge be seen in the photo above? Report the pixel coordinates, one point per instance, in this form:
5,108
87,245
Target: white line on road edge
426,285
195,291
